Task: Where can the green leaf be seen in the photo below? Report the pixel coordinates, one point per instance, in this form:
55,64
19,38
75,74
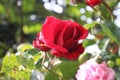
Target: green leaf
84,57
22,75
9,64
111,30
32,28
24,46
51,76
88,42
28,6
54,72
32,52
118,61
91,25
103,43
2,9
38,64
37,57
69,69
27,62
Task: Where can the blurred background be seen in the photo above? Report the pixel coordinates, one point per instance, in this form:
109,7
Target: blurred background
21,20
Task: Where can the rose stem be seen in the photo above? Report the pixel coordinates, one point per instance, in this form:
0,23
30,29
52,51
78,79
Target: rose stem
43,60
109,10
98,11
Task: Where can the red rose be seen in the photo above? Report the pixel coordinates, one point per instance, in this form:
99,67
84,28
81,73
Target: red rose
93,2
39,43
63,36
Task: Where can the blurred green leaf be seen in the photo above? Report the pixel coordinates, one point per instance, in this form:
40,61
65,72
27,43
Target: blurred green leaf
38,64
111,30
22,75
118,61
111,63
51,76
27,62
88,42
28,6
24,46
37,57
54,72
104,12
103,43
107,56
84,57
9,64
32,28
90,25
2,9
73,11
32,52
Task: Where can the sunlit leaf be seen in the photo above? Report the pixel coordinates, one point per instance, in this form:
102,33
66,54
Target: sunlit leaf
22,75
9,64
88,42
84,57
24,46
2,9
90,25
32,28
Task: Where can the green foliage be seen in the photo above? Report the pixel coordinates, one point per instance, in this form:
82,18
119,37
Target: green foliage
88,42
68,69
50,76
31,29
38,64
15,69
13,64
111,30
84,57
24,46
2,10
27,63
28,6
90,25
22,63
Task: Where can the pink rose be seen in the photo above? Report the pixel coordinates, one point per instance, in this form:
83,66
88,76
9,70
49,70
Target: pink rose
91,70
62,37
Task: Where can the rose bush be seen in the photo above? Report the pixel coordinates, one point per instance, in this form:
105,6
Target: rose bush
62,37
93,2
91,70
